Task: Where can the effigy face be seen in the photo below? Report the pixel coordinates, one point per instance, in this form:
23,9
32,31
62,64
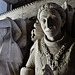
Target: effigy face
51,22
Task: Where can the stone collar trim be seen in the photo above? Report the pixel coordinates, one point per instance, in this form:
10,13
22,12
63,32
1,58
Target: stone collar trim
58,42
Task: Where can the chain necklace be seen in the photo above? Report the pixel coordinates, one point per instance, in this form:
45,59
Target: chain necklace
54,62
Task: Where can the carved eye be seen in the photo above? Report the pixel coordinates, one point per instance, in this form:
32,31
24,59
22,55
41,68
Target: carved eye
44,20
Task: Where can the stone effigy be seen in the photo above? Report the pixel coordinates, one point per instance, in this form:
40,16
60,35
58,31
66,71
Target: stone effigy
21,27
53,54
37,32
10,53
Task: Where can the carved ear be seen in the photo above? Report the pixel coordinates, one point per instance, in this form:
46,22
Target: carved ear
64,6
37,32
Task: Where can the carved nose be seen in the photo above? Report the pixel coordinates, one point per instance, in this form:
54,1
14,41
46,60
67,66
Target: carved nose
49,23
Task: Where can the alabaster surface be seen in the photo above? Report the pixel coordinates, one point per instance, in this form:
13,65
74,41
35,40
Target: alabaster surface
53,54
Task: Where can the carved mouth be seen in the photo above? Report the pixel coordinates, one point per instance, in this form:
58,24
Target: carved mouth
51,29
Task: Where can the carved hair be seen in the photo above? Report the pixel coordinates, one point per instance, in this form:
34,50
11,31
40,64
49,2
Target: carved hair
54,6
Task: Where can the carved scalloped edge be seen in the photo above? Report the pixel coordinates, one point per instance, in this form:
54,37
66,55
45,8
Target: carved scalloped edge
28,5
23,14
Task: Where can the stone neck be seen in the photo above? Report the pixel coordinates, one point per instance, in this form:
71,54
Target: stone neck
54,43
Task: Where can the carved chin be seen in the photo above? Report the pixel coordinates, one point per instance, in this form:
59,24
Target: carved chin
50,34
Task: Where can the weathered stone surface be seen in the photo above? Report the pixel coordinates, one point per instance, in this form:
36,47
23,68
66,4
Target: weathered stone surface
16,32
53,54
30,10
22,41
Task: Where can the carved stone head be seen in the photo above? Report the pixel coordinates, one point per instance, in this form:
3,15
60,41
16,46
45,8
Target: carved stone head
51,17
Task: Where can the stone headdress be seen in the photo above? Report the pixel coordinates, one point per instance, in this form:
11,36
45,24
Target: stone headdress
54,6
